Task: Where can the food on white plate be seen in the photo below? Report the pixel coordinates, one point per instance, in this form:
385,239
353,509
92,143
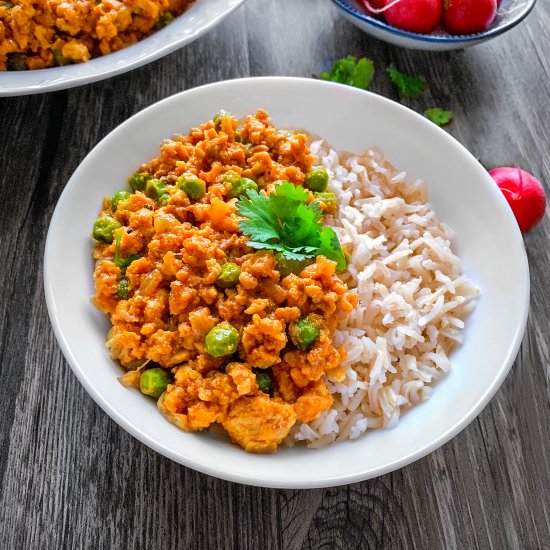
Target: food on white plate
259,280
38,35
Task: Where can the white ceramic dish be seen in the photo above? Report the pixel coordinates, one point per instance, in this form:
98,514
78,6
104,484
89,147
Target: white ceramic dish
510,13
463,194
201,16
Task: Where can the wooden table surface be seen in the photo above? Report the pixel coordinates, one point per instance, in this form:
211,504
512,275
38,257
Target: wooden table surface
72,478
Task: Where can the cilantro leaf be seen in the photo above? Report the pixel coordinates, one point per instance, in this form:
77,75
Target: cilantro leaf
302,226
287,199
439,116
283,221
258,245
257,203
330,247
260,230
293,255
410,85
351,71
262,224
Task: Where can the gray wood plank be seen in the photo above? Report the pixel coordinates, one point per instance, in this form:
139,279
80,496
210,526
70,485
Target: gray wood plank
71,478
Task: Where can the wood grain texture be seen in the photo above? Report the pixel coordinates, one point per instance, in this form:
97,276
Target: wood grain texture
71,478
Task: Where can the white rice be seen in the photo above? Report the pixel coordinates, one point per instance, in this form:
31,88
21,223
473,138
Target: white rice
413,297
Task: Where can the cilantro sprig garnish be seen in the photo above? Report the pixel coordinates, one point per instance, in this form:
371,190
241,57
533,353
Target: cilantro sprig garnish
439,116
283,221
359,73
410,85
351,71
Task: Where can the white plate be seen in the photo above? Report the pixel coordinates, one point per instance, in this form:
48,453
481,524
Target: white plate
201,16
509,14
487,238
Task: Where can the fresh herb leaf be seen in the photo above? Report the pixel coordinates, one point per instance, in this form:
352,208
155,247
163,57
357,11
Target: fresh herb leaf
265,246
287,199
262,223
439,116
330,246
351,71
410,85
283,221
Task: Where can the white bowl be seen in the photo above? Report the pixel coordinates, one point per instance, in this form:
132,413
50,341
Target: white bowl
509,14
201,16
487,239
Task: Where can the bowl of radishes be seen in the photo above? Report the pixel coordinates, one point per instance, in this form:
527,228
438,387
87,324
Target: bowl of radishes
435,24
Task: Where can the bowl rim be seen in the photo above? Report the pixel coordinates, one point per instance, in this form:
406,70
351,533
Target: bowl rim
346,6
251,479
170,38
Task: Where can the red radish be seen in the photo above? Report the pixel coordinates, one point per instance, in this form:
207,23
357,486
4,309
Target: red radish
420,16
371,7
524,194
468,16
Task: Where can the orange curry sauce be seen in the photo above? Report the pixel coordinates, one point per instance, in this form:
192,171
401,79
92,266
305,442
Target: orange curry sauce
174,302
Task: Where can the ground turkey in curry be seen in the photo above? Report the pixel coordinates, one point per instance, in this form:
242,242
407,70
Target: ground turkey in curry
36,34
160,253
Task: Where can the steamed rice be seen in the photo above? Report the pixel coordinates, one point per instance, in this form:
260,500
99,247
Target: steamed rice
413,297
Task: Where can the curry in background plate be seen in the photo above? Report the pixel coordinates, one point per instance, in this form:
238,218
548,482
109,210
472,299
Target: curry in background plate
214,330
37,34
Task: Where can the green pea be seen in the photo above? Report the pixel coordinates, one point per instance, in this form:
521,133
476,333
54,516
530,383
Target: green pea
264,380
286,267
247,183
59,59
241,187
229,276
122,289
164,20
231,178
155,189
17,62
316,180
217,120
118,197
139,180
193,186
154,381
104,229
222,340
303,333
328,198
